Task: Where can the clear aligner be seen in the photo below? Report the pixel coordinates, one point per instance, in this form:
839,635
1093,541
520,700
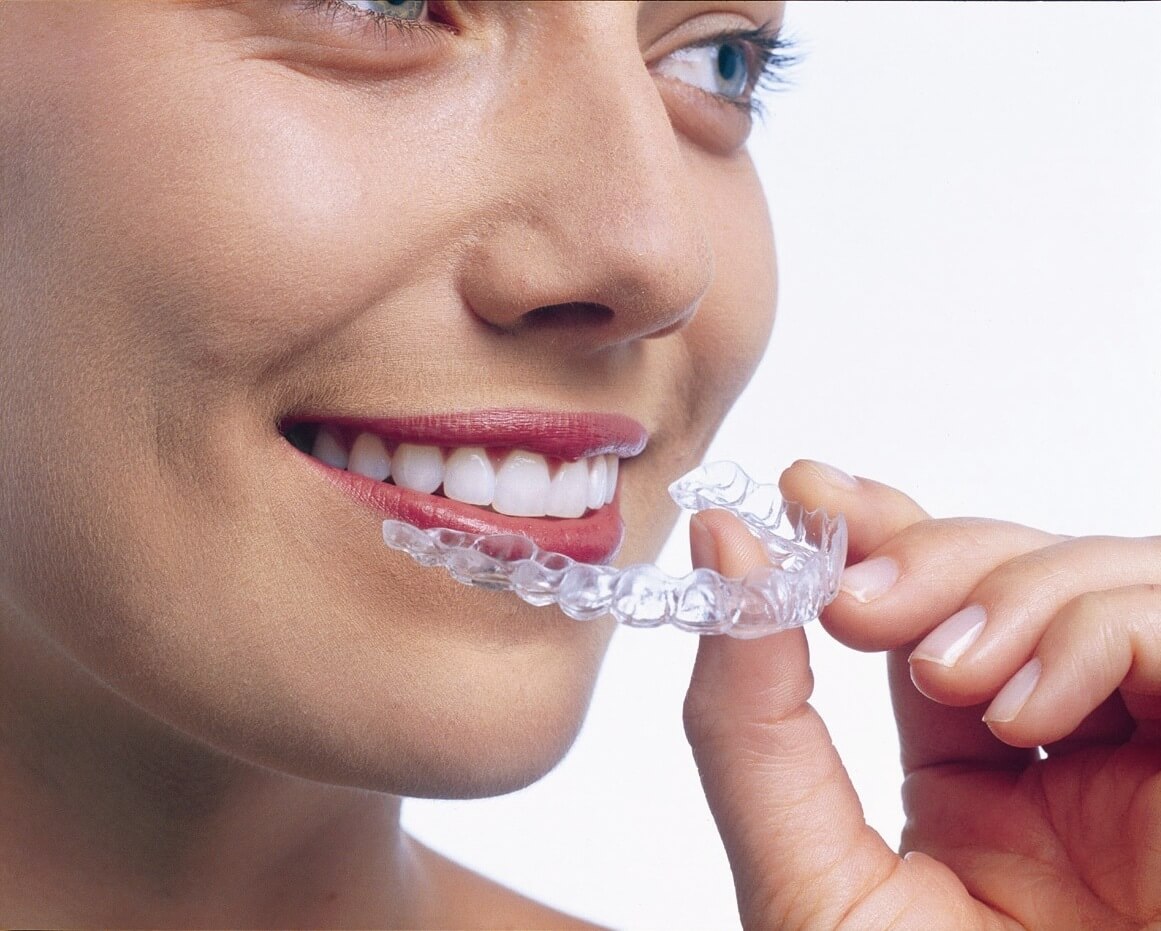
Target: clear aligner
807,552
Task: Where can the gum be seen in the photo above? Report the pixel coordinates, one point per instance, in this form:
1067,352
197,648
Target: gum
807,551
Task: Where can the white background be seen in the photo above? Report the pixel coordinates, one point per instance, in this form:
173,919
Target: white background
968,206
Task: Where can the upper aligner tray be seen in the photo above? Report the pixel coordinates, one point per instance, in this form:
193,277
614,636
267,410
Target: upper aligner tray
807,551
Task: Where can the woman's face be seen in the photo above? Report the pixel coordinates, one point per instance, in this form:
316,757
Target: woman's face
225,220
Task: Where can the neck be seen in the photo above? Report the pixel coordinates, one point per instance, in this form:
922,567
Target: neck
111,817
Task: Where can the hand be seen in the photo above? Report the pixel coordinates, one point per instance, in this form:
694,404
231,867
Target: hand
1049,642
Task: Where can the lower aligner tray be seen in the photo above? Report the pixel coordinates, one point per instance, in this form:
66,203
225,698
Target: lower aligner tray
807,551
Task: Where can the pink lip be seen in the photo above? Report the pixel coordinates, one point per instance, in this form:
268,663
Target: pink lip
594,538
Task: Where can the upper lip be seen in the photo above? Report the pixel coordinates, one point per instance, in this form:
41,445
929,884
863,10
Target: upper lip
561,434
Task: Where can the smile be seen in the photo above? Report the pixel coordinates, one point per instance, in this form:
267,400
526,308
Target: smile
551,477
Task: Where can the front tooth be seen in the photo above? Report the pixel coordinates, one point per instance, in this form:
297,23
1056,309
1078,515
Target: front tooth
329,449
369,457
598,473
469,476
614,464
568,494
419,468
522,485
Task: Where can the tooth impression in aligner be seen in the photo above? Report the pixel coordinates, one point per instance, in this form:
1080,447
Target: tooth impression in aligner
807,551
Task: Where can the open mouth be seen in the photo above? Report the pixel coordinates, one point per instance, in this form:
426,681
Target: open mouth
551,477
514,482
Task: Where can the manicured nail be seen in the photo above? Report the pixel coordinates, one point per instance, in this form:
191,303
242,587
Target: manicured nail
703,548
1012,697
870,578
834,476
951,639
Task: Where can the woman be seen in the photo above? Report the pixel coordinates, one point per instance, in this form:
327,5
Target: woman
250,250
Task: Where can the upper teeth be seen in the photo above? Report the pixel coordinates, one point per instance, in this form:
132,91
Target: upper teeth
519,484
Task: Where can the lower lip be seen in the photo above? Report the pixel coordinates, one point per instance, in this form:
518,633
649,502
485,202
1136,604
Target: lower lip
594,538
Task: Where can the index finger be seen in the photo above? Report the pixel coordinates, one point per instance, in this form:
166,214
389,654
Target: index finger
875,513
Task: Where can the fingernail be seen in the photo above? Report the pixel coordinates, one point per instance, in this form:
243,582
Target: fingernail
951,639
870,578
703,548
1012,697
835,476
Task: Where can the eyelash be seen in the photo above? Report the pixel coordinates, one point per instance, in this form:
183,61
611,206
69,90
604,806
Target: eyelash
770,54
389,28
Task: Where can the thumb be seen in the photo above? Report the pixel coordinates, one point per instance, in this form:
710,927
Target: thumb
793,828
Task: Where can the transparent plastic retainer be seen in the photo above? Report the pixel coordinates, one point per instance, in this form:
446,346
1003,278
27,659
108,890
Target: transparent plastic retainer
807,552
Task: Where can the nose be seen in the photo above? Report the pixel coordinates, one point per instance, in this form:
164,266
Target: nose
592,224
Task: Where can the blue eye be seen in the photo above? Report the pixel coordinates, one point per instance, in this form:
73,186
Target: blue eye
722,69
732,66
733,71
394,9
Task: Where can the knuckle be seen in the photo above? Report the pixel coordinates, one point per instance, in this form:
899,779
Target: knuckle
1028,578
1077,575
970,539
1083,605
701,716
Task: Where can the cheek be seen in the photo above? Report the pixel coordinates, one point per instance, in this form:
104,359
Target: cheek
261,240
227,229
731,330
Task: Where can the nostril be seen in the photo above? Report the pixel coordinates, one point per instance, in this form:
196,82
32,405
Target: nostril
573,314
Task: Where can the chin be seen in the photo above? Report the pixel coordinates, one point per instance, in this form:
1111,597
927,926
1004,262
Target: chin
479,759
502,719
431,716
